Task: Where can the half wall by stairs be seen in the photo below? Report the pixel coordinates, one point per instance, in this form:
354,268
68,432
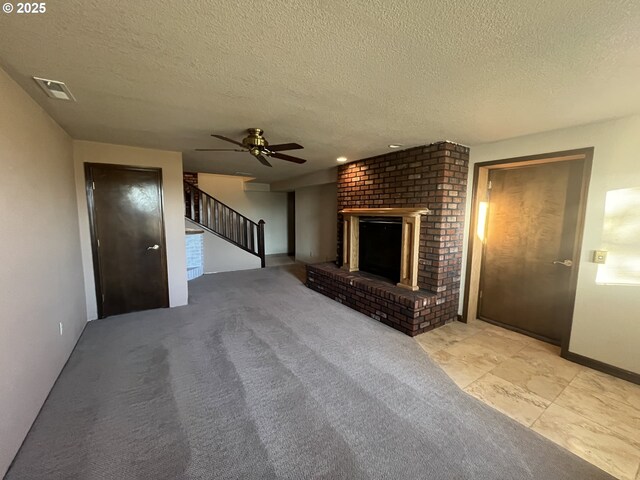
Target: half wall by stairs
223,221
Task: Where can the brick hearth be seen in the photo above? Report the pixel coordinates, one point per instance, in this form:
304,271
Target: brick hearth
397,307
433,177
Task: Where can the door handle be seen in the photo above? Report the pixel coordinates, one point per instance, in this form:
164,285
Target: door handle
155,247
566,263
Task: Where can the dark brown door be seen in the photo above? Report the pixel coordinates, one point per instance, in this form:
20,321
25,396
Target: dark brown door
125,208
529,252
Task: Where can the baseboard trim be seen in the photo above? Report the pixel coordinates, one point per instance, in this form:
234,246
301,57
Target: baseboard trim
604,367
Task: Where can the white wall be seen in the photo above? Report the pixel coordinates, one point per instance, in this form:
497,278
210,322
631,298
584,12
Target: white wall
321,177
606,321
316,223
41,281
221,256
173,197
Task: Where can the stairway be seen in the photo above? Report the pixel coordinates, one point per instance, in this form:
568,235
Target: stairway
215,217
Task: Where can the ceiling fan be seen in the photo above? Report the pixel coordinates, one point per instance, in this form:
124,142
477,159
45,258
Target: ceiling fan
257,145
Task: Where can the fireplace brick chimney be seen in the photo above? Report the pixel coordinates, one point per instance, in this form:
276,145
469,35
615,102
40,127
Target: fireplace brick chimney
432,176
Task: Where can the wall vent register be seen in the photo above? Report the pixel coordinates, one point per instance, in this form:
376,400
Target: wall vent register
55,89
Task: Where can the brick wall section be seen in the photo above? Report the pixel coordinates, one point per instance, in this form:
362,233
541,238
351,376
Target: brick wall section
432,176
191,177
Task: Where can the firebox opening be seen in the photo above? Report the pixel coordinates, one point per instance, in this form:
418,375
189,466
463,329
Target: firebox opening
380,246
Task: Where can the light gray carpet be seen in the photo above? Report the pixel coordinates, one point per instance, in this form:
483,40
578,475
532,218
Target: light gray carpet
259,378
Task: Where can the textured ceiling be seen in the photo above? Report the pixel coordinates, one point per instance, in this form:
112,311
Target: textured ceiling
341,78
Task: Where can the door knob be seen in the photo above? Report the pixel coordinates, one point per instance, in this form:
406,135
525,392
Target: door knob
566,263
155,247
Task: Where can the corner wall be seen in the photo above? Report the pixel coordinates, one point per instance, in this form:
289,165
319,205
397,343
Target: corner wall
316,223
41,276
606,322
173,198
315,214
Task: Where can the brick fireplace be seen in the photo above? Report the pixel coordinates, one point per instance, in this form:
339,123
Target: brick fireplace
423,190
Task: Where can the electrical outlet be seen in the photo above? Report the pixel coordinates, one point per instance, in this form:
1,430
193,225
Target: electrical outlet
600,256
60,328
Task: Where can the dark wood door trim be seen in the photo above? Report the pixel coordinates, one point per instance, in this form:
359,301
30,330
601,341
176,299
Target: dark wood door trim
586,156
93,229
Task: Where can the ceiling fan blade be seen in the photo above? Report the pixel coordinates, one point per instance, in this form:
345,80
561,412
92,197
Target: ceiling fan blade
219,150
284,146
221,137
263,160
288,158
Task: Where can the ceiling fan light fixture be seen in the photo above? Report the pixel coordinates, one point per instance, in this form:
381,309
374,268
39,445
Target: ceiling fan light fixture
257,146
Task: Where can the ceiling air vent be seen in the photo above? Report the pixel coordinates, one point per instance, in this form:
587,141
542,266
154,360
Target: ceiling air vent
55,89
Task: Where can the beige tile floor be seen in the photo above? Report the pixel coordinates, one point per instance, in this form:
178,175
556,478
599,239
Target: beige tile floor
594,415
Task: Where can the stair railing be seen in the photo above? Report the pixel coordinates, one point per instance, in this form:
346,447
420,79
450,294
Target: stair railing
223,221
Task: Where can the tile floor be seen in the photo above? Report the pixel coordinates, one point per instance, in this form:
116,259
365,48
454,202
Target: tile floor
594,415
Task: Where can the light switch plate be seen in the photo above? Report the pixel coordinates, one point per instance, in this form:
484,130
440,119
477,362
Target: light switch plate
599,256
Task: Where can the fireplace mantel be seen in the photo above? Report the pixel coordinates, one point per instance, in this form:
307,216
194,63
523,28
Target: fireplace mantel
386,212
410,239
